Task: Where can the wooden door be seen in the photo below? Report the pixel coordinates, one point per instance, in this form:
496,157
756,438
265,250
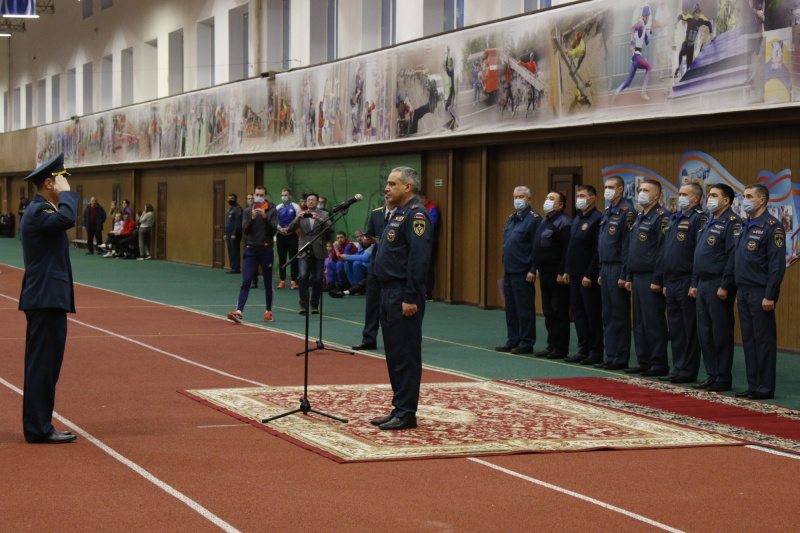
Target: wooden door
220,208
161,221
79,213
566,180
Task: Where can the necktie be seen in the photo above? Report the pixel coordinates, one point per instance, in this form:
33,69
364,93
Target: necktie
388,216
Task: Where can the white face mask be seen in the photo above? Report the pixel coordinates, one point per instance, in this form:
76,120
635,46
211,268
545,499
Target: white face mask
683,202
712,204
581,203
548,206
519,205
285,199
609,195
644,198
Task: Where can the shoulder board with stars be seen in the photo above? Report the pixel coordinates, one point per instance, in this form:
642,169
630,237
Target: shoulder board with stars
49,210
415,206
771,222
732,217
534,214
623,207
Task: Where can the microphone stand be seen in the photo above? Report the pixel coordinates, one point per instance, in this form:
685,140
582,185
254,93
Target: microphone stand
305,405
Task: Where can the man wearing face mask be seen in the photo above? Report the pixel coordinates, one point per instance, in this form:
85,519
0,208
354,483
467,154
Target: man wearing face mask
713,287
759,265
612,246
677,256
518,274
233,233
550,261
286,241
645,281
581,277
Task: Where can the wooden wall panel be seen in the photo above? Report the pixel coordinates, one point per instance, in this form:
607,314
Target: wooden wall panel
436,166
468,201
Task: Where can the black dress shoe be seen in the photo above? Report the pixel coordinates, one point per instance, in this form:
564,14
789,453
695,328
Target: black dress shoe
682,379
652,372
593,361
668,377
706,383
760,396
56,437
638,369
365,346
555,354
503,348
616,366
519,350
543,353
379,421
577,358
336,293
409,421
719,386
743,394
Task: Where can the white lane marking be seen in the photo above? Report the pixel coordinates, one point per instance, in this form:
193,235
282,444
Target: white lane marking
242,425
202,511
790,455
579,496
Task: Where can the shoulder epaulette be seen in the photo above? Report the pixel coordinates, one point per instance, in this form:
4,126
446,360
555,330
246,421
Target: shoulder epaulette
732,217
771,221
623,207
415,206
534,214
377,209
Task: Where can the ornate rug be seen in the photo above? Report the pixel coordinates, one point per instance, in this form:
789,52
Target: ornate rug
455,420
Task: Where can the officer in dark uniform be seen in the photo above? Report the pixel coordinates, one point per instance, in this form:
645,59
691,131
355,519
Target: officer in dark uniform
550,261
233,233
582,272
759,265
47,296
612,246
369,336
677,258
519,274
646,283
401,265
713,286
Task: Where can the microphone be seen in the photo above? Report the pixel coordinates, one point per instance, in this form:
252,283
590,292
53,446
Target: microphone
344,205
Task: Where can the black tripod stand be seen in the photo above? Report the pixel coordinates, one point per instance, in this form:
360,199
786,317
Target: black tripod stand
305,405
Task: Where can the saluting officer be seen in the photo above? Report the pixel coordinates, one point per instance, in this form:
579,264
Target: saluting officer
646,282
760,262
581,277
401,265
612,247
519,274
677,257
714,288
550,262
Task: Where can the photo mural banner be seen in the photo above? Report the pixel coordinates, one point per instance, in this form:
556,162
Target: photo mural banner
599,61
701,168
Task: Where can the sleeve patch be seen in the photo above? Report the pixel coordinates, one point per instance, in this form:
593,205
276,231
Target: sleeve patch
419,227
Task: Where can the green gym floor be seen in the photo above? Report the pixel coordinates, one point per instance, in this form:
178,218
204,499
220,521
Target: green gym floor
458,338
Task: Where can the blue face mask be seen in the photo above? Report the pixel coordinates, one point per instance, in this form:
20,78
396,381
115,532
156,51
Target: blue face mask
519,205
749,206
683,202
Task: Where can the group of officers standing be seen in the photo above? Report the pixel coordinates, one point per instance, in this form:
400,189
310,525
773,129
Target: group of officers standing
681,271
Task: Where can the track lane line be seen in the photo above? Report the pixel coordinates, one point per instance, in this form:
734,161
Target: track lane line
578,495
199,509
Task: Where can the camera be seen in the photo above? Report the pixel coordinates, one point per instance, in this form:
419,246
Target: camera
307,214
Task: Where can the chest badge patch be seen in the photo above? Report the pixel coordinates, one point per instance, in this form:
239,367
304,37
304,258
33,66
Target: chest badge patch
681,235
751,245
642,236
612,230
712,240
419,227
391,235
585,225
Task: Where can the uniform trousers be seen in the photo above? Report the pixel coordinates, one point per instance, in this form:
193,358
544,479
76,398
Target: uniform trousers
715,322
45,340
402,338
234,251
649,324
287,247
682,317
520,301
372,312
555,306
586,303
253,258
616,314
759,340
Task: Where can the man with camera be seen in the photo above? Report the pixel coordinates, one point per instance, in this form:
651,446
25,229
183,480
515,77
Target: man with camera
259,225
312,260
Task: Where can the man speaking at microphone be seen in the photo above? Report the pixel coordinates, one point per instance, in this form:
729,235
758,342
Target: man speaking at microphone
401,265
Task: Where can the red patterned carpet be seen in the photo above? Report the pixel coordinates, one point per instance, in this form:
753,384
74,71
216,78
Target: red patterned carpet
455,420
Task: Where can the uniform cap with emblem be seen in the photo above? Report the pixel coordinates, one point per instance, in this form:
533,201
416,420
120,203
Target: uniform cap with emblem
49,169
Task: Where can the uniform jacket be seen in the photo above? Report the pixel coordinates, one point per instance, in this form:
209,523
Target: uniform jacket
233,220
647,237
304,226
713,256
518,235
582,254
550,243
100,218
615,230
47,282
760,255
677,254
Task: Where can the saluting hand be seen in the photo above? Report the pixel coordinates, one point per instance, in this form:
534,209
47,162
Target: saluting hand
61,184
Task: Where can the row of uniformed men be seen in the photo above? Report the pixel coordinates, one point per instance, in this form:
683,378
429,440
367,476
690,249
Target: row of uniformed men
684,271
